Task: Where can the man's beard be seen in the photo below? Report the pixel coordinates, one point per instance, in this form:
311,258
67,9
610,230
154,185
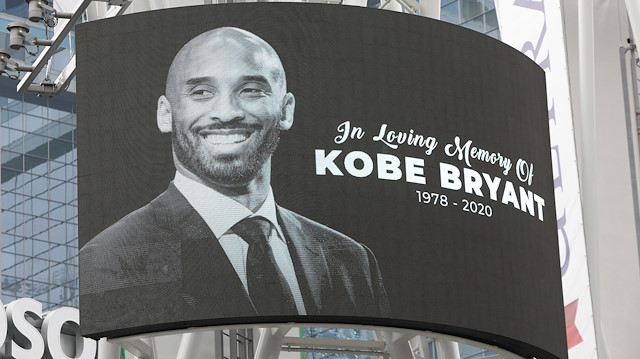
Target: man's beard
226,170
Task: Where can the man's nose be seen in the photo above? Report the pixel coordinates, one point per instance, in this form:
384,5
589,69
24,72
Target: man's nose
227,109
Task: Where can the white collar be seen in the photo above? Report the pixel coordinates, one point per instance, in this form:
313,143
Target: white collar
219,211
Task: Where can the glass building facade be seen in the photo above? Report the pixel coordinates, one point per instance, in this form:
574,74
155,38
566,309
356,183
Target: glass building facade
39,177
39,206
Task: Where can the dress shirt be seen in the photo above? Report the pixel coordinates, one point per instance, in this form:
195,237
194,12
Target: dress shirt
221,213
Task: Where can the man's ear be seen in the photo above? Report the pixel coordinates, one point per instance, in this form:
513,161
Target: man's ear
163,115
288,107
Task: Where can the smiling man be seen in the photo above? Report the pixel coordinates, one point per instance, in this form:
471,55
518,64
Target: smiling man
215,244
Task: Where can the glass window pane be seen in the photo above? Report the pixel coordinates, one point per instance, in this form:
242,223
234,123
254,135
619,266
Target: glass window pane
489,5
59,148
8,261
495,34
36,145
11,179
476,24
15,140
35,123
35,165
39,186
34,110
57,211
59,253
70,190
5,136
57,193
12,160
10,285
40,248
39,207
470,8
491,20
40,225
450,13
57,171
57,232
14,120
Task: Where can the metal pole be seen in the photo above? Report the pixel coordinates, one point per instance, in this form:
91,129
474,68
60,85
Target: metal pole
107,350
197,345
447,349
398,344
270,342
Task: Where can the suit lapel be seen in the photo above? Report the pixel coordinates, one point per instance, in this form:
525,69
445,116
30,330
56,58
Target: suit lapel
308,259
210,284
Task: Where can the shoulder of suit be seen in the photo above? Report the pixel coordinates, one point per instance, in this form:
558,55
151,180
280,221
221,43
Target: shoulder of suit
137,226
318,231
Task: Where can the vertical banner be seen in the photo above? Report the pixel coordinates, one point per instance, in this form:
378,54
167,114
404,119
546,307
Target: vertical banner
535,28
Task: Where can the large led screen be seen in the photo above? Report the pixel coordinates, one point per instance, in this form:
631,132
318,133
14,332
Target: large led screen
260,163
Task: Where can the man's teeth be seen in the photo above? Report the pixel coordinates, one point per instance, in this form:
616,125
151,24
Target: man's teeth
219,139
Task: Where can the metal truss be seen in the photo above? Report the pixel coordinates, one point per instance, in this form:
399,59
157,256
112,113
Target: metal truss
281,341
61,30
99,9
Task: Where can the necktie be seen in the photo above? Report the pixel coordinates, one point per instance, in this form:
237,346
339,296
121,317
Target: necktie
268,289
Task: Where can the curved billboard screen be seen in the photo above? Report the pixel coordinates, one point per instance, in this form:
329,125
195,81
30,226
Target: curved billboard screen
260,163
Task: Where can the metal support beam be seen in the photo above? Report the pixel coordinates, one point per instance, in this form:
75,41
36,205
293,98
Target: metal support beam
398,343
270,342
200,344
45,55
419,344
447,349
107,350
430,9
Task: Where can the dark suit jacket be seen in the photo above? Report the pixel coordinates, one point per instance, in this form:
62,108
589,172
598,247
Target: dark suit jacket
162,264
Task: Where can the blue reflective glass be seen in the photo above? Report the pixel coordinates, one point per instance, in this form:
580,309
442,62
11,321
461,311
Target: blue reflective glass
70,192
39,186
4,137
491,20
8,261
57,211
10,284
57,232
11,179
470,9
35,123
57,193
13,120
476,24
58,170
35,165
495,34
450,13
40,226
36,145
489,5
58,273
57,294
58,253
40,249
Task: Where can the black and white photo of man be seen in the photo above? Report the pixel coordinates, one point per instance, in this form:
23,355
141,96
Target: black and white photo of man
215,244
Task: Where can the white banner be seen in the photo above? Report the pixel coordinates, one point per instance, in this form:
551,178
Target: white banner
535,29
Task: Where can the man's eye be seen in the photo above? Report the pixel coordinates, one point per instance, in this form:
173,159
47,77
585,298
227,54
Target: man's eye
253,92
200,94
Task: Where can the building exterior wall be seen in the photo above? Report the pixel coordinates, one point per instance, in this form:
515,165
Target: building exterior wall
39,206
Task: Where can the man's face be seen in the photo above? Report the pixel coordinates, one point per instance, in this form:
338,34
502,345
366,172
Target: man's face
227,110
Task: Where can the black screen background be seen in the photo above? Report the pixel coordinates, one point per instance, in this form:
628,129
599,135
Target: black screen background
495,279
